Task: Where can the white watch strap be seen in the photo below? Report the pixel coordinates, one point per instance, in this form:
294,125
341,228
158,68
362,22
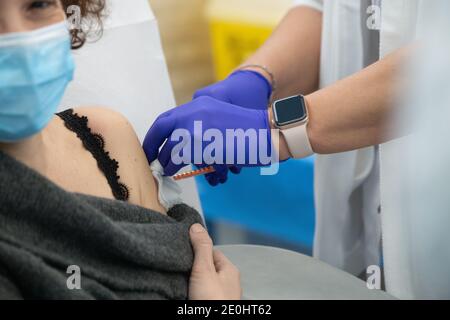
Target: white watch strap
298,141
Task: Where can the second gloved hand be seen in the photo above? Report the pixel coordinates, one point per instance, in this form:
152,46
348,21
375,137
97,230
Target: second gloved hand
244,88
207,131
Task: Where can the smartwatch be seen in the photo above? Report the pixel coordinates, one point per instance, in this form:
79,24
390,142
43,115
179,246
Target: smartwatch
290,115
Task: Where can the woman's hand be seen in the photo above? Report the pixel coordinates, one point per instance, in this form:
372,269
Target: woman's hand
213,276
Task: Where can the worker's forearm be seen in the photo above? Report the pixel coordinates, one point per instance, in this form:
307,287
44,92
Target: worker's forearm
351,114
356,111
292,53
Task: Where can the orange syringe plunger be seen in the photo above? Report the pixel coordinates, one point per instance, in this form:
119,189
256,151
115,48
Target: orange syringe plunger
194,173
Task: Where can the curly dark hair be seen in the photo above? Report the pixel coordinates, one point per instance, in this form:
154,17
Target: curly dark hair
92,13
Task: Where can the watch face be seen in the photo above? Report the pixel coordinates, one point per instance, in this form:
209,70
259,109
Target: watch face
289,111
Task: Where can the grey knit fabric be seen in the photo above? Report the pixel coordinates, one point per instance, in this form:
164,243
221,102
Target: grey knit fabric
123,251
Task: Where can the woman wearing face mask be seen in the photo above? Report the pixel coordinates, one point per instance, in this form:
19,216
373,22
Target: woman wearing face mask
80,213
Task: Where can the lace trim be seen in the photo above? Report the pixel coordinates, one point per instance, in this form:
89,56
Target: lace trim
95,144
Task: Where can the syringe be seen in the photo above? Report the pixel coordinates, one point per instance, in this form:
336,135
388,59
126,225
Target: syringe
194,173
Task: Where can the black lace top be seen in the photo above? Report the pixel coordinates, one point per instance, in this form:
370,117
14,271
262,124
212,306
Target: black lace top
95,144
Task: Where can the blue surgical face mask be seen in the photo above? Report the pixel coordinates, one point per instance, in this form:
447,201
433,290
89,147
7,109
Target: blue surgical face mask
35,69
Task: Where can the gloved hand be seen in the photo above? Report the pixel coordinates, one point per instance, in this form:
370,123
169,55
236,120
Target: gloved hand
215,117
244,88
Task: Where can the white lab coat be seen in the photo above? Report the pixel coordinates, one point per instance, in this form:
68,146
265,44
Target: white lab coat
349,208
423,186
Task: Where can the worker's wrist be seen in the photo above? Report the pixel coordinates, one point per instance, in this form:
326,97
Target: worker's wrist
311,131
312,126
263,71
283,150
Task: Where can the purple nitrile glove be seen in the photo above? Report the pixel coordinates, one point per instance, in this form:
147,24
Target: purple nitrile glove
244,88
205,132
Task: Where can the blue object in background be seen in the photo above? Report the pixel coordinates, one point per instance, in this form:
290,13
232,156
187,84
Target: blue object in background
279,206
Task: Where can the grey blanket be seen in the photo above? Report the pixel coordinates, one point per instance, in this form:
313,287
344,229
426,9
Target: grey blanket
122,251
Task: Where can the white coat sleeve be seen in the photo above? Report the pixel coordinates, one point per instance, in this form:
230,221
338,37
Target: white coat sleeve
315,4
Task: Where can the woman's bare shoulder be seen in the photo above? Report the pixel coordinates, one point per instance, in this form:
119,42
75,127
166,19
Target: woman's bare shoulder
123,144
120,137
106,120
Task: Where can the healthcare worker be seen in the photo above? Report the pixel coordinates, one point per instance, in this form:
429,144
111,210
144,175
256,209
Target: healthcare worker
342,60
